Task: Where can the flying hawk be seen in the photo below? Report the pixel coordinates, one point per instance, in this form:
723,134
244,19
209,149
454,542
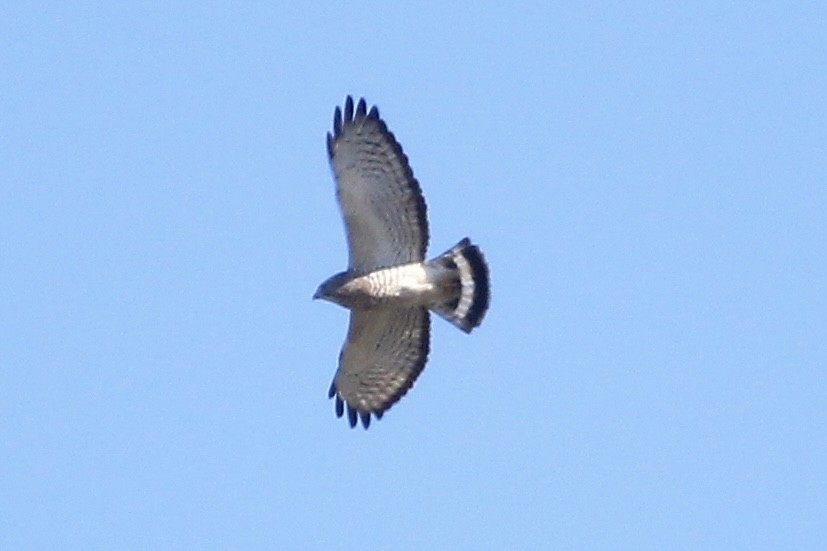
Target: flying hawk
388,286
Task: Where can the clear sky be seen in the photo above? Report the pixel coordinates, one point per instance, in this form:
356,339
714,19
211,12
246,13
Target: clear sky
648,183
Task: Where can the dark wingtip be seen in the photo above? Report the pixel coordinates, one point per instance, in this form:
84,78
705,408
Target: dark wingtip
348,109
342,118
337,121
365,416
351,416
361,109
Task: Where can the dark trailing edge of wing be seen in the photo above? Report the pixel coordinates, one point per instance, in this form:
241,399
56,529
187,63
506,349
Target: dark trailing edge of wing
354,414
342,121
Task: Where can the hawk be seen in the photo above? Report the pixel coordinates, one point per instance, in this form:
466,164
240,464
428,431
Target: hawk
389,286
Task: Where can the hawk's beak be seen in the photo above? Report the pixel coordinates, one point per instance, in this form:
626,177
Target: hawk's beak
316,295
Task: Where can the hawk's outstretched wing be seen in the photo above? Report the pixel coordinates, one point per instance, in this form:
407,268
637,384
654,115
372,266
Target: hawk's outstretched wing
385,351
381,201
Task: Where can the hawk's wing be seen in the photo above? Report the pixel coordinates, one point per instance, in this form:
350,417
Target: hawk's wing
381,201
384,353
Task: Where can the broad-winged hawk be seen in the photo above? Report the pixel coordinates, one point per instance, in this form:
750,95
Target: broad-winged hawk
388,286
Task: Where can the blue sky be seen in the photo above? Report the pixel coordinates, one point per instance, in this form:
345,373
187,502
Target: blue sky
648,183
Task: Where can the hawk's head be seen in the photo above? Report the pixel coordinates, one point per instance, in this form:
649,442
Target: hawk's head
331,288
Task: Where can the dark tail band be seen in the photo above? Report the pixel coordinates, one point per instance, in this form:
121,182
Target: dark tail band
469,292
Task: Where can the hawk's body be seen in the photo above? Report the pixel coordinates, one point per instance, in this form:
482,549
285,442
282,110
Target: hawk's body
388,286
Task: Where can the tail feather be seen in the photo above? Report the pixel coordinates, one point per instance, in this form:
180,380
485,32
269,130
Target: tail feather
465,273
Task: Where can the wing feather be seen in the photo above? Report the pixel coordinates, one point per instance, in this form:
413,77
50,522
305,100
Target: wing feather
381,201
385,351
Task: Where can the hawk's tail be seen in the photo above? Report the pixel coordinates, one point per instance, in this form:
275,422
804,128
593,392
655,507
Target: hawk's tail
463,274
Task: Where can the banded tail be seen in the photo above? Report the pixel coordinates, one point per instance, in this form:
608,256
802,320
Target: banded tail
463,274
